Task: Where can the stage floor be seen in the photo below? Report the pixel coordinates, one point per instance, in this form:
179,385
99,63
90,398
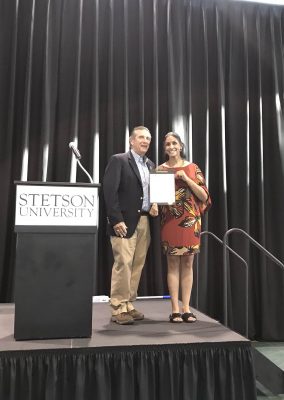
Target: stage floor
152,359
155,329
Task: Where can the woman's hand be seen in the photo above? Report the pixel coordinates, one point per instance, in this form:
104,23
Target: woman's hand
181,175
194,187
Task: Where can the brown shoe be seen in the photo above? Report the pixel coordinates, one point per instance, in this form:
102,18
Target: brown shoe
136,315
123,318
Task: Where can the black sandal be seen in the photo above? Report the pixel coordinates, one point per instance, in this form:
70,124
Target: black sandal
187,315
173,317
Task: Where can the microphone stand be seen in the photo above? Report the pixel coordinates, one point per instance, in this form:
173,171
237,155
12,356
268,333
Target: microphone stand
77,156
83,169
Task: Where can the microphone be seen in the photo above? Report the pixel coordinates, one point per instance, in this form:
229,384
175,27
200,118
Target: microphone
77,155
75,151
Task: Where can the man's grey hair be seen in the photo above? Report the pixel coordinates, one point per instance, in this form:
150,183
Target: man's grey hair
138,128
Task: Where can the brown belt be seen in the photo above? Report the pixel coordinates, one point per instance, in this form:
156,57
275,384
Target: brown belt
144,213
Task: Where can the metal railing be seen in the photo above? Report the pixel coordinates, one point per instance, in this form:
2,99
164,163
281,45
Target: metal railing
240,258
225,266
227,248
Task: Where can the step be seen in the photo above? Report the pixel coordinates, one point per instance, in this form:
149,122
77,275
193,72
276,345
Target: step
269,369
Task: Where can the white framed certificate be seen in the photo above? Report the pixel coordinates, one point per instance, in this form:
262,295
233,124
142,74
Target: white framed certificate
162,187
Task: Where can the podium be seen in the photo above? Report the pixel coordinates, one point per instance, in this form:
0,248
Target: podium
56,225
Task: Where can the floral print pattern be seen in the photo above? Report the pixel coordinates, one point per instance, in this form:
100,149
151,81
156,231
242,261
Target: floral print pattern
181,222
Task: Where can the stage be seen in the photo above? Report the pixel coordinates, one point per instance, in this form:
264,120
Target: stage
152,359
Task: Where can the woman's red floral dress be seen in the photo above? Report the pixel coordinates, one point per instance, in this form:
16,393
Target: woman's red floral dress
181,222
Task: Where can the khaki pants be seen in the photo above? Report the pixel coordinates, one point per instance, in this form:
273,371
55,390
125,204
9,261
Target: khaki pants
129,259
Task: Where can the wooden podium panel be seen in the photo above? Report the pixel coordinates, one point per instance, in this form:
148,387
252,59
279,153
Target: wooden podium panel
54,283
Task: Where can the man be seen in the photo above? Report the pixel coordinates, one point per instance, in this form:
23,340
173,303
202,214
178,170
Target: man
126,193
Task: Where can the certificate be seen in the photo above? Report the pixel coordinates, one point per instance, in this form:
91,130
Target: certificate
162,187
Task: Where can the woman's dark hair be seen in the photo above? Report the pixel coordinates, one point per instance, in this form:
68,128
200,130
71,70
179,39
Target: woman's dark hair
177,137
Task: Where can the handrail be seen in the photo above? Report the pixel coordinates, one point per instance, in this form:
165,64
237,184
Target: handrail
225,245
246,266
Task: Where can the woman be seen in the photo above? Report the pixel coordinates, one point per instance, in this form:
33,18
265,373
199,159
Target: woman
181,224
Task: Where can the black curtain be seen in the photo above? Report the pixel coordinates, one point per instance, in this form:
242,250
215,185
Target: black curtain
189,371
210,70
